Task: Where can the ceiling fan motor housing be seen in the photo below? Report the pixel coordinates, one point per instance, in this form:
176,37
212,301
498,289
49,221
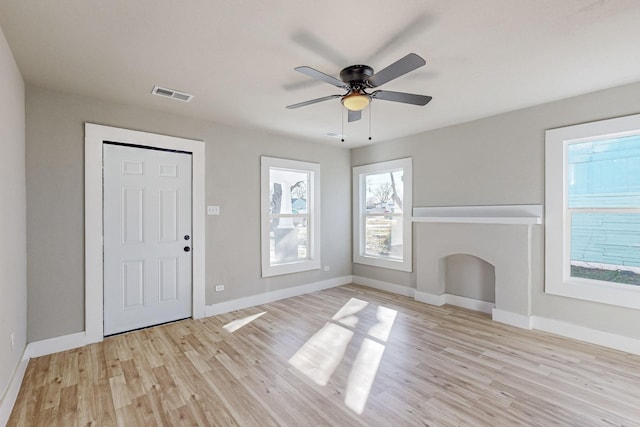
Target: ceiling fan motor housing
356,74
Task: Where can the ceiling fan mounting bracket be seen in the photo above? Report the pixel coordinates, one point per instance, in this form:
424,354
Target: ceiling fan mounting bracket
356,74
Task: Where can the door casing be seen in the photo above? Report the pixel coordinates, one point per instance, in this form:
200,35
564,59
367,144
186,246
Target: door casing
95,135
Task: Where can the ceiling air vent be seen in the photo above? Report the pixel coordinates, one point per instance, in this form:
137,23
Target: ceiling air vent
170,93
334,135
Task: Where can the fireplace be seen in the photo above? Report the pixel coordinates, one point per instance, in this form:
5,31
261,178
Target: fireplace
509,238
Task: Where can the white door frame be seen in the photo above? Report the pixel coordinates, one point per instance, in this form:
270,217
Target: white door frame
94,137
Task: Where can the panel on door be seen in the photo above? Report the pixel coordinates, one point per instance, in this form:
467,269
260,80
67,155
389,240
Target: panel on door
147,237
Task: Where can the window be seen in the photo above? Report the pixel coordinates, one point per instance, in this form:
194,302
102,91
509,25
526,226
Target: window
593,211
382,214
290,216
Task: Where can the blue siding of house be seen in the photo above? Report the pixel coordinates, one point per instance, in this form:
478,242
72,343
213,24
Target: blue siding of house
605,174
606,238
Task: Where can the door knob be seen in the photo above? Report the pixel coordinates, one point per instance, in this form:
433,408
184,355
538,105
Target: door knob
187,249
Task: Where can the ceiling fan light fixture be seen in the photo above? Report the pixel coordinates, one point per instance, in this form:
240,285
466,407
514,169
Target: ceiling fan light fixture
356,101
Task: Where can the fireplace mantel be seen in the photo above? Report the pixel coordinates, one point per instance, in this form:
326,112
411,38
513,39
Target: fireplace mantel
496,214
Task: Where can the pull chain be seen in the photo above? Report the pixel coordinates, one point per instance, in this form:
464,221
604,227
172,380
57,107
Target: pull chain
342,123
370,107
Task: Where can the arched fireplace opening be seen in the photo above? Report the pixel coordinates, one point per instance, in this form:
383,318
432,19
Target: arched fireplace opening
471,277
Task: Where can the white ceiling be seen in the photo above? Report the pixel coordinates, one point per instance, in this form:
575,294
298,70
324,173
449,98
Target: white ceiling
237,56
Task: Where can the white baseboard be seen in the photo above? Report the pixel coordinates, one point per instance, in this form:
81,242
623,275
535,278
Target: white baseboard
57,344
464,302
513,319
11,394
431,299
384,286
470,303
593,336
267,297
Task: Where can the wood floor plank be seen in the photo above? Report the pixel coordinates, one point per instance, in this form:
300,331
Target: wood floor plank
66,413
401,362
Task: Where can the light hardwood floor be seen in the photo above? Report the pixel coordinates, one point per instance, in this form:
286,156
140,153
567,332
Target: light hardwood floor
348,356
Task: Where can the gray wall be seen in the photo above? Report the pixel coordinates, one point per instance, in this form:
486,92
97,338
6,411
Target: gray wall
500,160
55,215
13,266
497,160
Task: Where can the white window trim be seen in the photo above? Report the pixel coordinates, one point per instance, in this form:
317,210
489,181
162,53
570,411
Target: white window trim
313,208
558,280
359,204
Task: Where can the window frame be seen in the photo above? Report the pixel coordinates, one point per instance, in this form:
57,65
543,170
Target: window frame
313,214
359,214
558,279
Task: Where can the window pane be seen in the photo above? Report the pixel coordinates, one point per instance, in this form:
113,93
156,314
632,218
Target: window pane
604,174
606,247
384,236
384,192
290,216
288,191
381,230
288,244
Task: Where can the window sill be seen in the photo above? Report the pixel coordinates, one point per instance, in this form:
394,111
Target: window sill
294,267
383,263
618,294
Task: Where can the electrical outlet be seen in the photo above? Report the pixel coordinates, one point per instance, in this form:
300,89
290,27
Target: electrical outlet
219,288
213,210
326,268
13,341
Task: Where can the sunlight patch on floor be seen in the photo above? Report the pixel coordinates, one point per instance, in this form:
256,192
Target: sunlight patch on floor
239,323
347,314
362,375
386,318
321,354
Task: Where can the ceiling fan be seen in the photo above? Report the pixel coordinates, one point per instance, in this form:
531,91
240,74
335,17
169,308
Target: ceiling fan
357,79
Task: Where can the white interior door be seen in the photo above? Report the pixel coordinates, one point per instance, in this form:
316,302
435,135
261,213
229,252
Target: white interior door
147,237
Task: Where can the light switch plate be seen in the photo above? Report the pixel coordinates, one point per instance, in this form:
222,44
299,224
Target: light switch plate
213,210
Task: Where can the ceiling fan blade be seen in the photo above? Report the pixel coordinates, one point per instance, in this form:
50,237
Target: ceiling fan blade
310,41
292,86
416,26
407,98
311,72
395,70
312,101
354,116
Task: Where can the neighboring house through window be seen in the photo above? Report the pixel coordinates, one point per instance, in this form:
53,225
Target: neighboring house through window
593,211
382,208
290,204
